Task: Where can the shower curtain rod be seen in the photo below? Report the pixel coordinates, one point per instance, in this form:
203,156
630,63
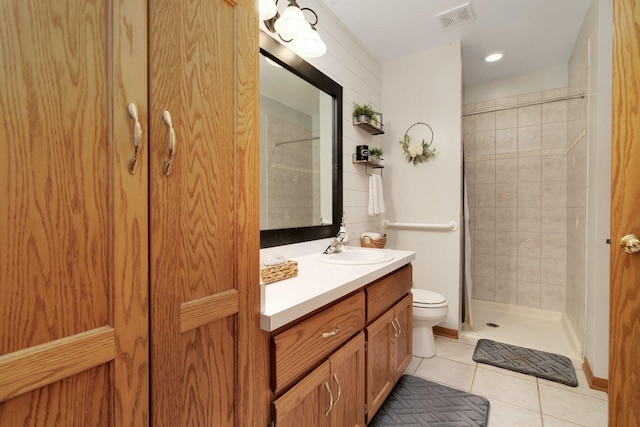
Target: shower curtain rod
525,104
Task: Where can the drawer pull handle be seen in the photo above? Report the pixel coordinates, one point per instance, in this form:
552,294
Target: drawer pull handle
396,333
167,165
335,378
332,333
326,413
137,138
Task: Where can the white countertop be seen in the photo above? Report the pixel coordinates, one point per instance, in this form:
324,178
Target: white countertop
319,283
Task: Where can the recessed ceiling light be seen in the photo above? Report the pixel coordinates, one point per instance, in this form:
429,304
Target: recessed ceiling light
493,57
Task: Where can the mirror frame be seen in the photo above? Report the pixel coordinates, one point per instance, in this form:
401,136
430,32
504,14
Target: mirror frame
301,68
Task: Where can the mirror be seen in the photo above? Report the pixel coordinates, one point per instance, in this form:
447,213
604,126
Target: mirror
300,149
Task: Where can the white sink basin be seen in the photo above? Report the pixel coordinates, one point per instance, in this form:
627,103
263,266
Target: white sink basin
357,256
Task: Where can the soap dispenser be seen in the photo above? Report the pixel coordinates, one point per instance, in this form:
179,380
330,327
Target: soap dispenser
343,234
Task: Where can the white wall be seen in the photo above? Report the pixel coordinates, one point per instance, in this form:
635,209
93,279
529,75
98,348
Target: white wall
426,87
537,81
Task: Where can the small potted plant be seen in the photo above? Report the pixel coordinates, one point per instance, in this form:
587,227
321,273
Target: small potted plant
363,113
364,116
375,156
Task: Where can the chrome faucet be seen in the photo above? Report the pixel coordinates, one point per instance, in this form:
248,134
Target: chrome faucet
341,240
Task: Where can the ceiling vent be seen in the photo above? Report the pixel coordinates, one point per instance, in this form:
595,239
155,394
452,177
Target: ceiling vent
457,16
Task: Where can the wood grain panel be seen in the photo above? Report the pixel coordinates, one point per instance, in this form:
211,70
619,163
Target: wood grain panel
306,402
402,346
131,209
194,213
379,362
387,291
208,374
300,347
54,170
73,254
80,400
348,366
253,397
38,366
624,339
199,312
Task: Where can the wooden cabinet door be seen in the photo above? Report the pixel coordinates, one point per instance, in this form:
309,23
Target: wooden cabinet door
624,309
347,382
401,345
204,231
308,403
73,220
379,362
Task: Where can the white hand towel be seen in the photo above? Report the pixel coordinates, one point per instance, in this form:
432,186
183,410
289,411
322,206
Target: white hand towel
372,235
271,260
376,196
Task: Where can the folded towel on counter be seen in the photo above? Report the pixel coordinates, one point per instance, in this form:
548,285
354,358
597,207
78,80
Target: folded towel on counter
376,196
270,260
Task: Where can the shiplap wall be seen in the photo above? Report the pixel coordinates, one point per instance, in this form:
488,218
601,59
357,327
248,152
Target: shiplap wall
350,64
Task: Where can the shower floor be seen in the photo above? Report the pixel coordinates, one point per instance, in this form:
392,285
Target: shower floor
527,327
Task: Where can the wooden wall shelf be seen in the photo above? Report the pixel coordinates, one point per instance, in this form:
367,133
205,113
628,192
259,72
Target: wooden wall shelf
367,165
372,126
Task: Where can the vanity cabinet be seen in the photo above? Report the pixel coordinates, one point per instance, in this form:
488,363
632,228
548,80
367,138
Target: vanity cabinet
388,352
299,348
324,368
331,395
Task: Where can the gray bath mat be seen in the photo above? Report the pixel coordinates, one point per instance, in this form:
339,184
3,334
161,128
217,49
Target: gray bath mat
417,402
550,366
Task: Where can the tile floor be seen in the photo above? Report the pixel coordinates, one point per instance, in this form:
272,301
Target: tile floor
517,400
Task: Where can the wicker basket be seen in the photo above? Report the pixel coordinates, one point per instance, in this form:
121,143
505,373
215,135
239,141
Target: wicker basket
279,272
368,242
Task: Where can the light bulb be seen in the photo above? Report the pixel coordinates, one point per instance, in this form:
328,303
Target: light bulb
309,45
292,23
267,9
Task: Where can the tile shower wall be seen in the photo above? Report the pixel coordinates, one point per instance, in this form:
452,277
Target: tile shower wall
515,166
292,175
577,170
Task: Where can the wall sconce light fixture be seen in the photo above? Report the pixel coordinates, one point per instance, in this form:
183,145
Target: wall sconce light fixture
293,28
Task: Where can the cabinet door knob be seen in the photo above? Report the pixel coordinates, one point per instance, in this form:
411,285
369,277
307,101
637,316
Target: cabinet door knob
167,166
326,413
137,138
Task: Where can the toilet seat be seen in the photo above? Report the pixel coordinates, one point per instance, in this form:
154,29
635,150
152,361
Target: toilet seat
428,299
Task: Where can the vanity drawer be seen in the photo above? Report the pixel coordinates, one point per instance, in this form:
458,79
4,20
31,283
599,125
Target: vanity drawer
299,348
385,292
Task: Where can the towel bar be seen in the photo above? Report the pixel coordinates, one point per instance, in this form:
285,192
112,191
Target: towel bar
451,226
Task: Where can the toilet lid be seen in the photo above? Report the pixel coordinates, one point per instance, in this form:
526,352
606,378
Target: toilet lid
422,297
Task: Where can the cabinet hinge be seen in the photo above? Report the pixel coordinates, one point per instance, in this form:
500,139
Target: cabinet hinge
365,346
365,409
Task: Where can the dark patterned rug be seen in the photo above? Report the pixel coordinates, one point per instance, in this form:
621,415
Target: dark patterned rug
550,366
417,402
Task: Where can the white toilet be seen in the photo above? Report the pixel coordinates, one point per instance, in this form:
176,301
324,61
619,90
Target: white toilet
429,309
